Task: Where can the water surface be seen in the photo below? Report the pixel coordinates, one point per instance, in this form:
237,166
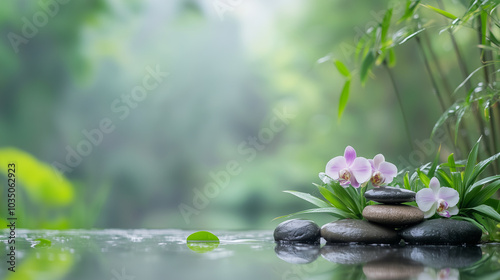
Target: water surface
164,254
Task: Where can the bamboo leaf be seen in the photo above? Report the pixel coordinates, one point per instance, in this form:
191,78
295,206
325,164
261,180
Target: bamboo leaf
342,69
471,162
439,11
392,58
366,66
409,10
386,23
344,97
309,198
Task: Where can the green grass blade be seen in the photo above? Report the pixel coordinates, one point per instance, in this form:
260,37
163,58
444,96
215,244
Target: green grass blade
309,198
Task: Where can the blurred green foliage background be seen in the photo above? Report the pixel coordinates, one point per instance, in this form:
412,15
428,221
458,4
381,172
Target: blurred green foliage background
230,67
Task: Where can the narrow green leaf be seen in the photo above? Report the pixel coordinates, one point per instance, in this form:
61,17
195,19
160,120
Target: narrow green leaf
406,182
484,194
309,198
344,196
460,114
330,210
481,166
439,11
366,66
386,23
344,97
487,211
392,58
470,76
332,198
471,162
409,10
451,162
493,39
443,177
342,69
423,178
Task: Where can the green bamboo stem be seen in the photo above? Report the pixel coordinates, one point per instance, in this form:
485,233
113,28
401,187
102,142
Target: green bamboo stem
435,86
398,96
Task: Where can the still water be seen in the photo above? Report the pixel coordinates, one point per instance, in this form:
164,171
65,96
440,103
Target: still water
164,254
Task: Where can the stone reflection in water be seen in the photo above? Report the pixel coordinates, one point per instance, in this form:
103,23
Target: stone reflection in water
297,253
444,256
392,267
354,254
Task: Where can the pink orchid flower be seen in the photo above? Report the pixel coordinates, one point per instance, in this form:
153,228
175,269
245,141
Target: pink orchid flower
349,169
383,172
436,199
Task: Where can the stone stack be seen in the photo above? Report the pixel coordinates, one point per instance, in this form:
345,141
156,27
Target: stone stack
391,212
386,223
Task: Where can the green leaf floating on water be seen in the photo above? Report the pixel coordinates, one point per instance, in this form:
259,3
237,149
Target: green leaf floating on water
42,243
202,242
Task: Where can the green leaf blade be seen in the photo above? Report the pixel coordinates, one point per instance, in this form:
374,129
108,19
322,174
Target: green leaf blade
344,97
366,66
309,198
342,69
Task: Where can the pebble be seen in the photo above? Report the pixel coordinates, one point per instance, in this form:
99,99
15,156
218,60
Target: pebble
390,195
442,231
393,215
297,230
358,231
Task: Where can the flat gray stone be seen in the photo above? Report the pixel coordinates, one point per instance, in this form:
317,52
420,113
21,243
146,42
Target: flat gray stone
442,231
390,195
393,215
358,231
297,230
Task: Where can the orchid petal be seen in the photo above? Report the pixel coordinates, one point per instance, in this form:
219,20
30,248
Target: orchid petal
354,182
372,165
434,184
361,169
377,160
449,195
430,212
388,169
323,177
349,155
334,166
425,199
453,210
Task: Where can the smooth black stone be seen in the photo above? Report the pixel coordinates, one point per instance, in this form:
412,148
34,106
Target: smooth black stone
390,195
297,253
442,231
358,231
444,256
297,230
354,254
